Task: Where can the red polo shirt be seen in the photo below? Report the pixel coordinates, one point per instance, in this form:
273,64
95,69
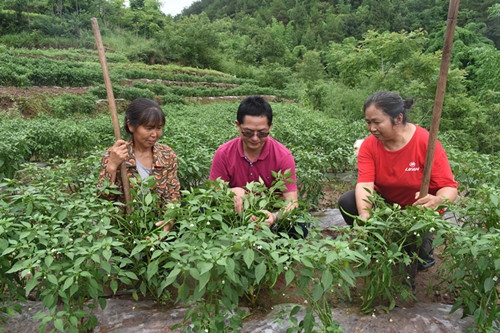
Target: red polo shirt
231,164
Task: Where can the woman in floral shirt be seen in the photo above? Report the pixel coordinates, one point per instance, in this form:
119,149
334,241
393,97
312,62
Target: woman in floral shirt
143,155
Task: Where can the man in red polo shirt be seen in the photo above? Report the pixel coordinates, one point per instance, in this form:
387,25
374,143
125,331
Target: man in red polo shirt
253,155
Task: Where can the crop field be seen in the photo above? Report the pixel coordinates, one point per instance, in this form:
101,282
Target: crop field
64,246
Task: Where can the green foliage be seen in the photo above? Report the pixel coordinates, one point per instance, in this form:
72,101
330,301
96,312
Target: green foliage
46,208
472,258
232,258
39,139
472,170
389,242
70,105
56,236
62,245
475,276
19,71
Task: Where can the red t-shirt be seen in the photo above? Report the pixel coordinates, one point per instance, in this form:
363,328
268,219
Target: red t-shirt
231,165
397,175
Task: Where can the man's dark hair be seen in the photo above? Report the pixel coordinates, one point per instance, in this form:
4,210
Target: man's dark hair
254,106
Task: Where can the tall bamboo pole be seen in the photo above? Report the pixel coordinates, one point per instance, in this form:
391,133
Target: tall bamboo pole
112,106
440,91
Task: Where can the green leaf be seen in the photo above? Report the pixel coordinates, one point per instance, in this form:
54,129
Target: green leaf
131,275
230,269
172,276
306,262
417,226
19,266
48,261
137,249
107,254
204,267
49,301
289,276
497,264
114,286
488,284
317,292
58,324
327,279
248,257
106,266
102,302
62,215
52,279
73,320
204,278
32,283
295,310
494,199
67,283
78,261
85,274
157,253
148,199
260,271
74,288
8,250
194,273
152,269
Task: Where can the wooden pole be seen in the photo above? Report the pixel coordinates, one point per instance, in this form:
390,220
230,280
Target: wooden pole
440,91
112,106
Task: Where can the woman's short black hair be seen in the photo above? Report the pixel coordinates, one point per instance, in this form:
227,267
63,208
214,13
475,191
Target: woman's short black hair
390,103
143,111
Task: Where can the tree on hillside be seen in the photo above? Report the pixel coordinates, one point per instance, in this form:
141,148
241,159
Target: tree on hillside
192,41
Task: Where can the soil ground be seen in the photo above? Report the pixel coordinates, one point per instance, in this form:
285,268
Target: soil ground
429,287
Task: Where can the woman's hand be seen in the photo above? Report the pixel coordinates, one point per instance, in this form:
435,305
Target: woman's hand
167,226
429,201
117,155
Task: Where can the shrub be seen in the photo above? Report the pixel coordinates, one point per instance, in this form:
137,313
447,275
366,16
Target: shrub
69,105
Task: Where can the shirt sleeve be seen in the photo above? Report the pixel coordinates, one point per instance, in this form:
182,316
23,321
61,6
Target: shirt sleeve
289,163
218,167
366,162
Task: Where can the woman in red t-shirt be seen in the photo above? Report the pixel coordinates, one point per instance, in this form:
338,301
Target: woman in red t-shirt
391,162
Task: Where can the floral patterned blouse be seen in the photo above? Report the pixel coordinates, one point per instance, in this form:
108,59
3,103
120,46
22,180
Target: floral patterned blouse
163,168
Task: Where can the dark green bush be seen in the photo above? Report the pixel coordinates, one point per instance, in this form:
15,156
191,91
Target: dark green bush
68,105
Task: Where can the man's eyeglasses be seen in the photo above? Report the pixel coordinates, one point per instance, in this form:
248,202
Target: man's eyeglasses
249,133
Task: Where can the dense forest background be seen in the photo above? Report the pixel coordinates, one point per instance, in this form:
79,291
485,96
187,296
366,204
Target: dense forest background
327,55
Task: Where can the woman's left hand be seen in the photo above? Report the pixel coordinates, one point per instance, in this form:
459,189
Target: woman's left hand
429,201
167,226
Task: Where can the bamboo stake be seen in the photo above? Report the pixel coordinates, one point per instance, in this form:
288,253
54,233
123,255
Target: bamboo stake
112,106
440,91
